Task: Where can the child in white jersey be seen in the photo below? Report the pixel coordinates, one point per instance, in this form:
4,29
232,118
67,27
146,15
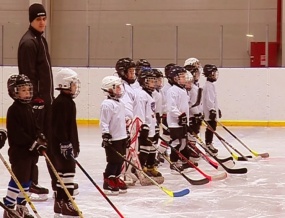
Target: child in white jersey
114,134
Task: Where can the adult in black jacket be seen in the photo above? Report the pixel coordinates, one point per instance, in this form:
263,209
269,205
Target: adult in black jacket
34,62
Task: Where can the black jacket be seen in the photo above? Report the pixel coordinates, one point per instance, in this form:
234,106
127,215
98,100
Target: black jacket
34,62
64,127
22,131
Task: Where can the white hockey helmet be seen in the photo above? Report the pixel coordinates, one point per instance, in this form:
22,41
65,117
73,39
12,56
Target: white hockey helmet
64,79
192,62
113,87
189,80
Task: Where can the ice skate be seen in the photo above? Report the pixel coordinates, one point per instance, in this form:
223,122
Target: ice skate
122,185
23,211
212,149
75,191
174,169
68,210
7,215
154,174
187,167
38,193
110,186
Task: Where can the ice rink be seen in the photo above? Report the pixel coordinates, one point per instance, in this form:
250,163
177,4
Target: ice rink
259,193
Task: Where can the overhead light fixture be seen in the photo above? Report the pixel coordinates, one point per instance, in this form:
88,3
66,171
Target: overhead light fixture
128,24
249,35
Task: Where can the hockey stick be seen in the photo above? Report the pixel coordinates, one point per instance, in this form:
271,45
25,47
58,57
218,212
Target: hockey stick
98,188
229,170
165,190
62,184
199,96
191,181
20,186
11,212
226,144
256,154
211,178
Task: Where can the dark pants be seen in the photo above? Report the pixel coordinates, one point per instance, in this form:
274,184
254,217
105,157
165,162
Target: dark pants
209,134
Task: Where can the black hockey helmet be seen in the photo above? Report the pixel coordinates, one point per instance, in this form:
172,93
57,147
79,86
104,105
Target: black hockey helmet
147,79
210,71
159,78
167,69
15,82
141,63
122,67
175,75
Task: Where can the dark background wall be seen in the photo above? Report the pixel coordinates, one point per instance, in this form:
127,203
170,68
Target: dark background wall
94,32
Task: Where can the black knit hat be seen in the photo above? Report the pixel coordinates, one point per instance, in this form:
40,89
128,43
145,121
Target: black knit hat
36,10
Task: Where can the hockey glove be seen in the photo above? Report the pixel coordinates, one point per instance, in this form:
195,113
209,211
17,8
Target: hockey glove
220,113
182,119
106,140
42,139
199,118
158,119
144,131
66,150
156,135
38,148
3,137
213,115
38,104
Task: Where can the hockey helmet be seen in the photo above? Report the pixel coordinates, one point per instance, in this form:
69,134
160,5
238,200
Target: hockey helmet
189,81
113,87
17,83
67,79
211,72
159,78
177,75
123,67
167,69
147,79
141,63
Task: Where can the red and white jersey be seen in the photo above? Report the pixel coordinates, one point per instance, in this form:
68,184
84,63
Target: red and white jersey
128,99
144,108
112,119
164,96
177,103
209,98
193,94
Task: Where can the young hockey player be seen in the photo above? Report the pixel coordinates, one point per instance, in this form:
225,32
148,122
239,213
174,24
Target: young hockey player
210,104
139,65
145,110
157,96
65,143
26,142
178,114
125,68
165,133
114,134
193,66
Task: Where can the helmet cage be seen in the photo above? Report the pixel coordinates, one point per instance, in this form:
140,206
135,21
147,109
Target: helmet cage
15,82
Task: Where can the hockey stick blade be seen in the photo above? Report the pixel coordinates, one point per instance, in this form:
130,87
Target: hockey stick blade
263,155
176,194
229,170
225,159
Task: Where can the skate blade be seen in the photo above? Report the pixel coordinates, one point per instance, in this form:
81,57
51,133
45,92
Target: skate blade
111,193
68,216
57,215
36,197
123,191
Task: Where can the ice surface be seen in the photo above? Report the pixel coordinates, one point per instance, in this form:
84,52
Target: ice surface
259,193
